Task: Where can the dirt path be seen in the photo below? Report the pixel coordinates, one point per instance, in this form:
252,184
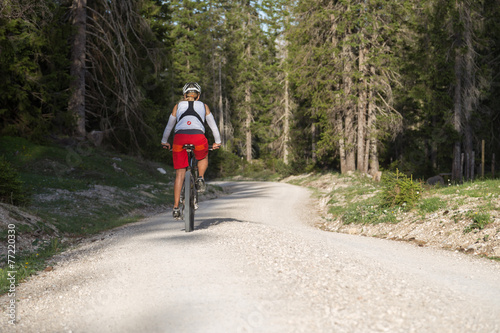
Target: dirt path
256,264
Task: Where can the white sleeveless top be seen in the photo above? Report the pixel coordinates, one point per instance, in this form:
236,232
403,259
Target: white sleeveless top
190,122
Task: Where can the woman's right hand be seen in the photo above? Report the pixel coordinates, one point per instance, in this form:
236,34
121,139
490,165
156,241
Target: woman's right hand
166,145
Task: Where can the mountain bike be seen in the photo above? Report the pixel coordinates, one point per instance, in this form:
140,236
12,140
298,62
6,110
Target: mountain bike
189,192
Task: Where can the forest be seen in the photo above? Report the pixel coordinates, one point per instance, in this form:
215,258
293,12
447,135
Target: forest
347,85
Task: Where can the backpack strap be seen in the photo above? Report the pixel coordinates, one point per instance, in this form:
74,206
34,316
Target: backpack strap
191,112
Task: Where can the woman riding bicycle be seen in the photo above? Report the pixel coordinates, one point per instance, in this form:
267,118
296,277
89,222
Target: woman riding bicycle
189,117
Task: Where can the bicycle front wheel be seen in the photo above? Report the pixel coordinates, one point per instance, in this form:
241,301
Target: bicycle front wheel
189,193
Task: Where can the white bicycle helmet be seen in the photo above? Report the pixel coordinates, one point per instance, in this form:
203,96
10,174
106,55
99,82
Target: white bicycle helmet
191,86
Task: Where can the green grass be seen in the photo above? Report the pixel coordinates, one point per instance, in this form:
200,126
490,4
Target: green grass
27,264
69,174
345,203
430,205
476,189
362,201
368,214
75,168
479,221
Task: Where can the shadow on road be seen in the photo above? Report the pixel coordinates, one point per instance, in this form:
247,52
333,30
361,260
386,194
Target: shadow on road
213,222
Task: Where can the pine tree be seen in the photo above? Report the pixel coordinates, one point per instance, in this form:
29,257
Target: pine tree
280,105
121,45
345,73
78,55
33,63
466,25
244,50
189,18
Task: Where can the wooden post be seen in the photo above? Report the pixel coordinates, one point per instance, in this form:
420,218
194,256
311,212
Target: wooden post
461,168
493,166
482,159
467,167
313,145
472,165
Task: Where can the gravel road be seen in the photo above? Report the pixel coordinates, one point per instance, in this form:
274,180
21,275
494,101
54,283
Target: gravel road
255,263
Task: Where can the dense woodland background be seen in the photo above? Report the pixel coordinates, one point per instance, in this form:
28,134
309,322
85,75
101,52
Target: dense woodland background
294,85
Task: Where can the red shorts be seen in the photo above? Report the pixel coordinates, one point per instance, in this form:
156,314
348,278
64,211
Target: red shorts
180,155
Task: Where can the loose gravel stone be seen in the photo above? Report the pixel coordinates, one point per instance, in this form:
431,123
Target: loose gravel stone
255,263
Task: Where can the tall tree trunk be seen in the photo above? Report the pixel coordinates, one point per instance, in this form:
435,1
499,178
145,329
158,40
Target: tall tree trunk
248,122
371,126
469,86
457,117
458,100
374,164
248,95
434,146
248,113
286,130
362,163
221,110
349,133
229,134
339,127
313,143
76,102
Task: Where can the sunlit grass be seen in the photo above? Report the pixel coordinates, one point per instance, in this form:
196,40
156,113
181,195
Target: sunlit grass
479,221
360,202
430,205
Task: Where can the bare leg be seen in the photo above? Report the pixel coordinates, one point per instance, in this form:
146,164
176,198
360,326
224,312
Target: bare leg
202,166
179,179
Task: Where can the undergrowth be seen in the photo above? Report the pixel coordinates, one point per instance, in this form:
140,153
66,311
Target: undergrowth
12,189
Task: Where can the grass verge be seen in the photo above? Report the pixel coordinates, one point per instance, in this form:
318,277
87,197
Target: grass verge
459,217
75,190
27,264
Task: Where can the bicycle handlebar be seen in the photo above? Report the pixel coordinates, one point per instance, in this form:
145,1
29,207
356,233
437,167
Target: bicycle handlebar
210,148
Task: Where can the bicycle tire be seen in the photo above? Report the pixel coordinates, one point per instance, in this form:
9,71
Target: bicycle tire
192,203
187,202
196,187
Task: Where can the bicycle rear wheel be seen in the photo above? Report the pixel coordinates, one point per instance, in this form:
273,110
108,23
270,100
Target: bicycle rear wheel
189,193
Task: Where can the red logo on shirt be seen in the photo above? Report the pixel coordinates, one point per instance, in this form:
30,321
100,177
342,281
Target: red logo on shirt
189,123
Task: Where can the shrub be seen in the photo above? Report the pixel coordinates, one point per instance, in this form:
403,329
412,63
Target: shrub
399,190
11,186
224,163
